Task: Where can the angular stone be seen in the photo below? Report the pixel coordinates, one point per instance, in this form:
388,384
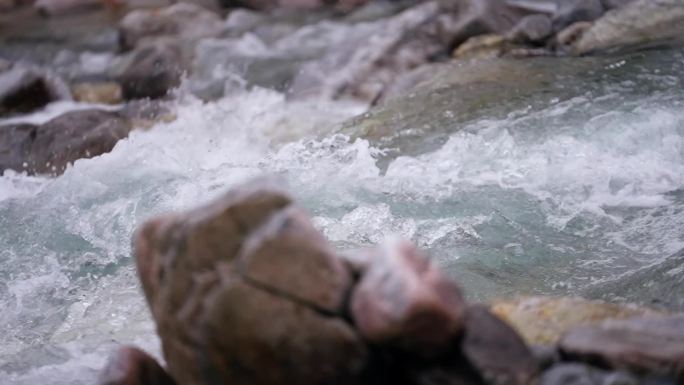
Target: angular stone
403,301
132,366
481,47
643,345
289,256
253,337
50,147
496,351
572,33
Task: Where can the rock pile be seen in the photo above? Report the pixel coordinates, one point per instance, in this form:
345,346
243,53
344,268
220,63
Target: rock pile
246,291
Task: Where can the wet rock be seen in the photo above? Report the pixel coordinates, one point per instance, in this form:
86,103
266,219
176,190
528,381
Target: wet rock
532,29
26,89
222,314
65,7
132,366
543,320
187,21
639,23
481,47
404,301
573,374
151,71
50,147
643,345
572,11
100,92
495,350
546,355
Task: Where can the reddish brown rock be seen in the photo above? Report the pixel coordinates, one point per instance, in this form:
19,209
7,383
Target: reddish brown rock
289,255
49,148
404,301
244,291
132,366
496,351
643,345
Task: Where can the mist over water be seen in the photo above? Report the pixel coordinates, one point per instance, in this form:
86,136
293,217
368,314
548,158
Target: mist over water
571,190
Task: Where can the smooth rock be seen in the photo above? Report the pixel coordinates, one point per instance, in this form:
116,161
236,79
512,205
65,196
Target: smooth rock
223,317
532,29
50,147
404,301
639,23
184,20
644,345
132,366
151,71
572,11
26,89
543,320
495,350
100,92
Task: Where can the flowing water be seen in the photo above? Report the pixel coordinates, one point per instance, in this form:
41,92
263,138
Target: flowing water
552,190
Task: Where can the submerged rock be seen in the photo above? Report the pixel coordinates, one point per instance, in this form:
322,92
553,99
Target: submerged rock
543,320
132,366
643,345
404,301
50,147
639,23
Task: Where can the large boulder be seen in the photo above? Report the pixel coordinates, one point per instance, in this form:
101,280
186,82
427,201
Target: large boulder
24,89
184,20
643,345
404,301
151,70
49,148
231,306
639,23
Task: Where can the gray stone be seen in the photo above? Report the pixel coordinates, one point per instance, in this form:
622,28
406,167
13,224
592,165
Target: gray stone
639,23
533,29
572,11
573,374
25,89
151,70
612,4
